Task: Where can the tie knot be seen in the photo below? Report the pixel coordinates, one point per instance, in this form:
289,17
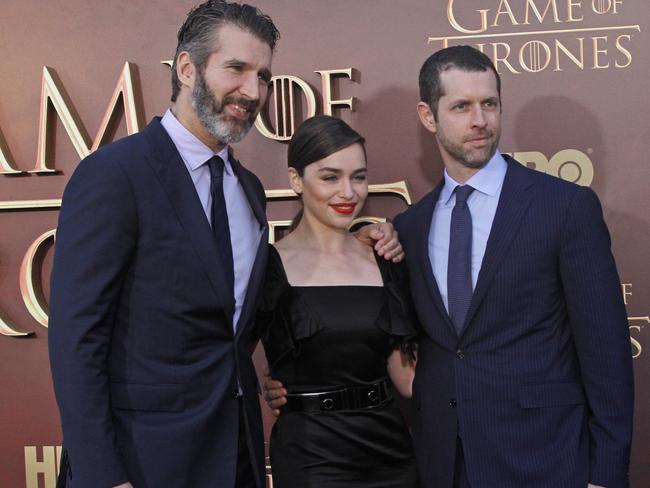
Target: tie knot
462,193
216,164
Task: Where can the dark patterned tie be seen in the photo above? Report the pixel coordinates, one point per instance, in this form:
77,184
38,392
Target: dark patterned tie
459,270
219,215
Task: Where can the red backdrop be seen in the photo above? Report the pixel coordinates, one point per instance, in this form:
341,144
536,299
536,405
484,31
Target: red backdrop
574,89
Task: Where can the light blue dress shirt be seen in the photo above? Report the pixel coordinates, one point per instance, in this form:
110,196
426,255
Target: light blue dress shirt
483,201
245,230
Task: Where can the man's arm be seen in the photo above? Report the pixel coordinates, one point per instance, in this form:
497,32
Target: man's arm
600,330
275,394
383,237
94,242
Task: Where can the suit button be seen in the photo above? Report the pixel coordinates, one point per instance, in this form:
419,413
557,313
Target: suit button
235,394
460,354
453,403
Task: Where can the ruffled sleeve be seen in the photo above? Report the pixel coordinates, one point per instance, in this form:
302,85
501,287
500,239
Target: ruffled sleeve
398,316
283,318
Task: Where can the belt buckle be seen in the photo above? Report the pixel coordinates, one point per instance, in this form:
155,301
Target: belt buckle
373,396
327,403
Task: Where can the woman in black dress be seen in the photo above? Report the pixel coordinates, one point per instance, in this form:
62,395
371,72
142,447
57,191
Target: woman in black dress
336,323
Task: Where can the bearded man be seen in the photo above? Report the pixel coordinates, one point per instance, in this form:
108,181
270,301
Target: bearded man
160,251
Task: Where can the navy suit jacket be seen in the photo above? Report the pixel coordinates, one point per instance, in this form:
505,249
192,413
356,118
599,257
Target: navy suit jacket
539,385
145,363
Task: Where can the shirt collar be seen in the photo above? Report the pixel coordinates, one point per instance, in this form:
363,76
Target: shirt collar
193,151
487,180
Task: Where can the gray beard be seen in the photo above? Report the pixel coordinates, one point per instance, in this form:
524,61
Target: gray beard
210,113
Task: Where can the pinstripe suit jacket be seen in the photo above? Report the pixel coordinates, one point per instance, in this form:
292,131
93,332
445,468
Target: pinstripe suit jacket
539,385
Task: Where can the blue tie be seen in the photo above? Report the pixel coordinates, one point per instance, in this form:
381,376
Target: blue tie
219,217
459,269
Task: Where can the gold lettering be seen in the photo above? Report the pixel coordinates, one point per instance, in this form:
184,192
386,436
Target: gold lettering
6,161
626,293
398,188
11,330
367,220
48,467
30,288
454,23
601,6
532,159
624,51
572,165
504,8
616,3
535,59
635,343
274,225
530,5
328,103
496,59
54,94
269,474
284,88
570,4
568,164
578,61
597,51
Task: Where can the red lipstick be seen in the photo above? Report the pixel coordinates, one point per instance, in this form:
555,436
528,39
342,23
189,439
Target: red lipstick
343,208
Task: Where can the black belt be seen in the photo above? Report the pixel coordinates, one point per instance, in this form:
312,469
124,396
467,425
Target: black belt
350,398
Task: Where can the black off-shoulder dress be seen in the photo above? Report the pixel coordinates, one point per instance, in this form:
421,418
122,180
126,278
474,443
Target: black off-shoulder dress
321,338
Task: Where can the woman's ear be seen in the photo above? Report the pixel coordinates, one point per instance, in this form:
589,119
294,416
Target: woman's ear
295,180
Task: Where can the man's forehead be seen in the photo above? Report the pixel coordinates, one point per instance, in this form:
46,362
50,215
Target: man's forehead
459,82
231,40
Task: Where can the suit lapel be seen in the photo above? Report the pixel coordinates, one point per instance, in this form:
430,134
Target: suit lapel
252,195
513,203
423,219
257,275
173,175
257,204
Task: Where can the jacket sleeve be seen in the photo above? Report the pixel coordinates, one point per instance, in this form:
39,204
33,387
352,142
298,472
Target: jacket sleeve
95,239
600,329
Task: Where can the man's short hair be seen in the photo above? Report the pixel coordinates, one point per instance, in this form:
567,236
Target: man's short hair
465,58
196,35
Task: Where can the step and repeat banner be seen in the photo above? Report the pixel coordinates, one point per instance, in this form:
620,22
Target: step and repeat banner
78,74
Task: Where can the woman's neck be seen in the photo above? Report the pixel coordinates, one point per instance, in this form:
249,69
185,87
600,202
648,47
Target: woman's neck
322,238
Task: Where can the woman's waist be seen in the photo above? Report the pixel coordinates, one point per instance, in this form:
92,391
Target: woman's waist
350,396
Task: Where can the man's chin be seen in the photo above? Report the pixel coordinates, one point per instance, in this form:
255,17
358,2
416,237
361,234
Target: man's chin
230,135
478,160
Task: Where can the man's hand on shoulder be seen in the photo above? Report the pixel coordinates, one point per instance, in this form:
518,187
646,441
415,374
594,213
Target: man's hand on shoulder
383,237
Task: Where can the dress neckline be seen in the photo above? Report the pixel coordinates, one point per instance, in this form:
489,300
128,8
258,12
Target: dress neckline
285,278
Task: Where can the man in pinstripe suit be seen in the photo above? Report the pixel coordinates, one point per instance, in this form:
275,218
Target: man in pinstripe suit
524,375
